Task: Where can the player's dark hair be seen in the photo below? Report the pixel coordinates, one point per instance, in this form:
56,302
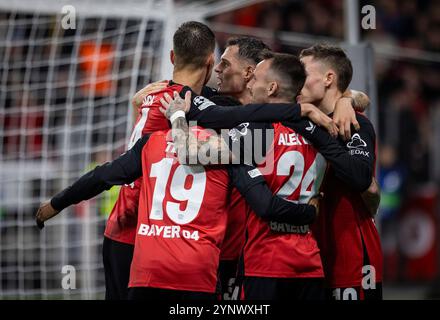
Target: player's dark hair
226,101
248,47
291,71
335,58
193,42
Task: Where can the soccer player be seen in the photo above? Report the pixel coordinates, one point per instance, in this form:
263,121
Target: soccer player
193,60
182,215
236,66
346,232
233,72
270,272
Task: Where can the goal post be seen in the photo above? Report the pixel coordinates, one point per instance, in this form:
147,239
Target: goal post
65,106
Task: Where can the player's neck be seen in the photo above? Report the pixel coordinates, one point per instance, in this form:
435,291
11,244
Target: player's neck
279,100
328,103
244,97
195,79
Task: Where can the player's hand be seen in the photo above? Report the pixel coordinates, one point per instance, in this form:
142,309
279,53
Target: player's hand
316,201
172,105
371,197
44,213
146,91
344,117
319,118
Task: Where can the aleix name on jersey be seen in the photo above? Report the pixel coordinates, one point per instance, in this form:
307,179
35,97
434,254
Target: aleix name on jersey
291,139
171,232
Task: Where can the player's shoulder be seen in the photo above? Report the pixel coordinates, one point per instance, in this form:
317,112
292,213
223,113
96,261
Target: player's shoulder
248,129
255,125
364,122
200,101
153,100
170,88
160,134
362,118
173,86
281,126
286,127
209,92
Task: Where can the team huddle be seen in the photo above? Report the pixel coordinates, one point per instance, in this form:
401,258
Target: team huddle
244,192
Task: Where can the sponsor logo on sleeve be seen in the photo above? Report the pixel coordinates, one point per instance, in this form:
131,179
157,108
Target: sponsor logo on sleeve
202,103
254,173
357,146
237,132
356,142
311,128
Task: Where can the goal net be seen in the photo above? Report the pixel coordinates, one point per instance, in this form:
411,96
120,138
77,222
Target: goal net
65,106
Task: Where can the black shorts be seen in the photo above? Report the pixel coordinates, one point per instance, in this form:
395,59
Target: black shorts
157,294
355,293
117,258
259,288
229,280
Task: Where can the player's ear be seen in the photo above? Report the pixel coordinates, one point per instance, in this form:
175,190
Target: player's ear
247,73
211,60
272,88
330,78
172,56
209,67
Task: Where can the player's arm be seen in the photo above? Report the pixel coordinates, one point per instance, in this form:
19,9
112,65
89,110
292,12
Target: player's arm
371,197
139,96
344,115
233,146
252,186
209,115
125,169
353,162
215,149
190,148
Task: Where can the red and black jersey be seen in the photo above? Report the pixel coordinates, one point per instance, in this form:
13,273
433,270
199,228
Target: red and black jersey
235,237
346,232
209,115
121,224
352,164
293,170
182,211
181,215
182,221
